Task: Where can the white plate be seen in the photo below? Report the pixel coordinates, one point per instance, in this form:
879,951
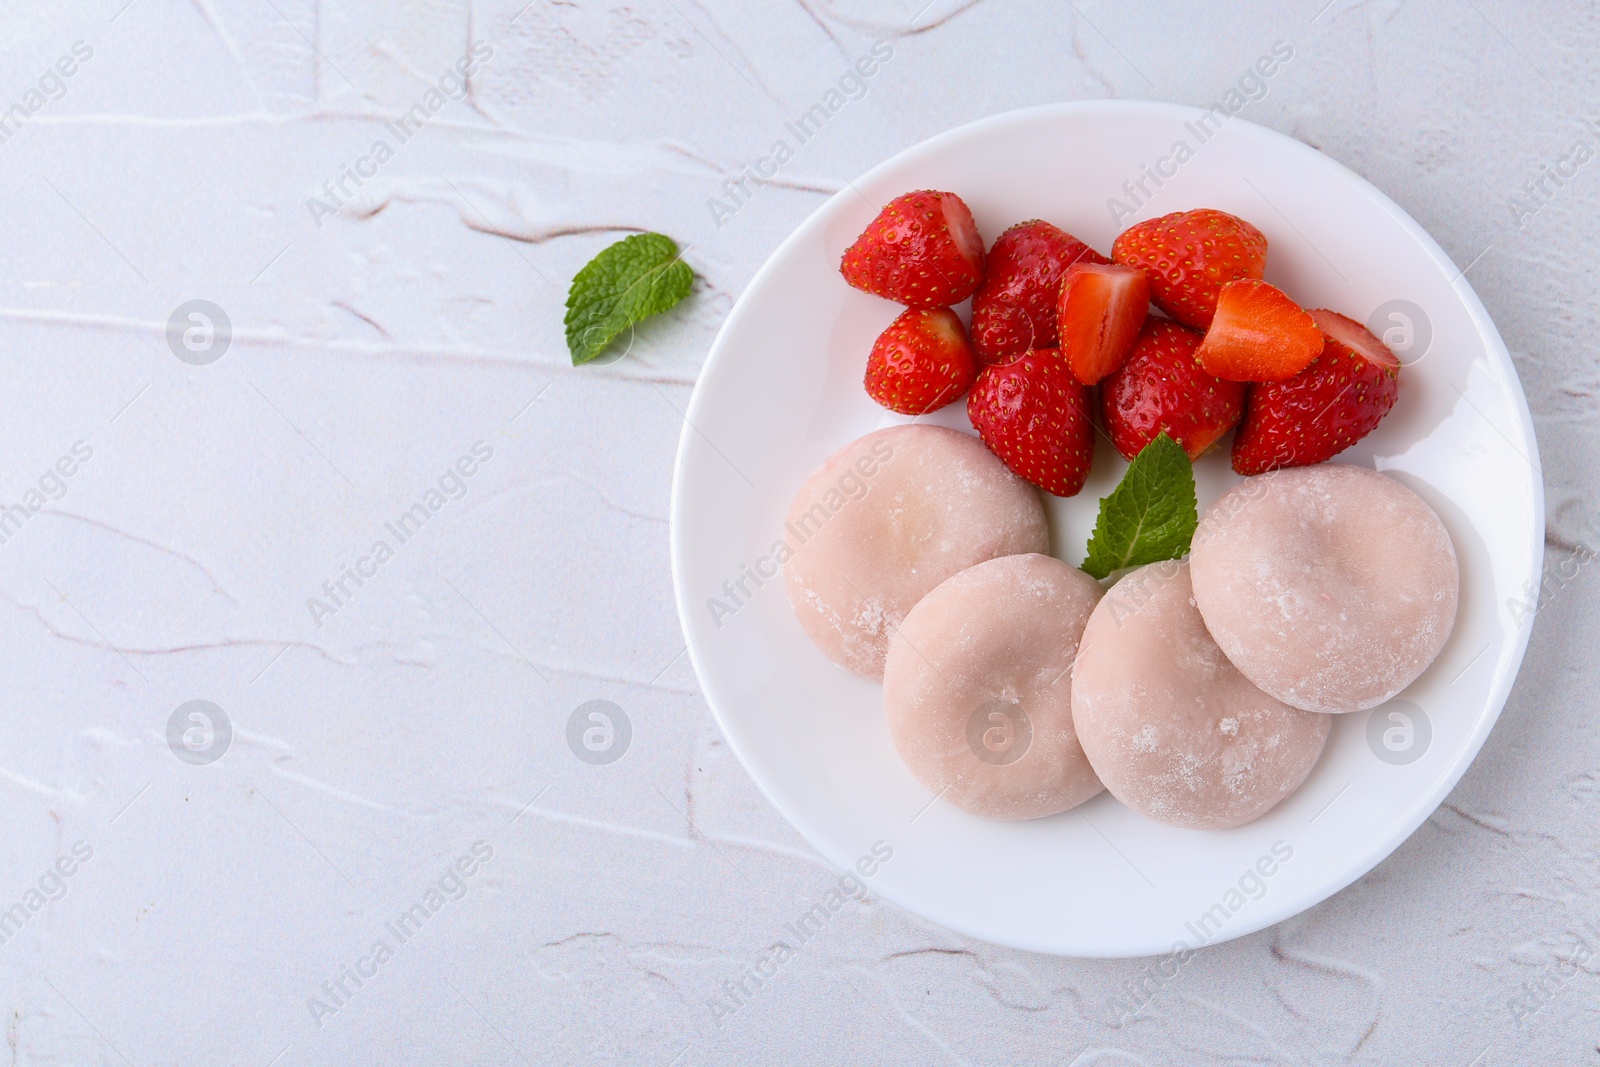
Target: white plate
781,389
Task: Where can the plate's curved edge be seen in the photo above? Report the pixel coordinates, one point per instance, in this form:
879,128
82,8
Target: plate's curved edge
1508,668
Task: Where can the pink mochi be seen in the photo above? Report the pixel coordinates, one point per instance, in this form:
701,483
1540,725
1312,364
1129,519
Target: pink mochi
1171,727
888,517
977,688
1331,587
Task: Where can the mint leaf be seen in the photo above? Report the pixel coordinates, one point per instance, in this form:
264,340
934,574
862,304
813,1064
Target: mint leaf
635,278
1150,516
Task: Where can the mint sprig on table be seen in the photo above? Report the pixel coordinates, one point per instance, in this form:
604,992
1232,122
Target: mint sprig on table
1150,516
628,282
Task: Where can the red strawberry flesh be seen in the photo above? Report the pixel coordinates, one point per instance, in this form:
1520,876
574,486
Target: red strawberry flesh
1354,336
1259,335
1102,308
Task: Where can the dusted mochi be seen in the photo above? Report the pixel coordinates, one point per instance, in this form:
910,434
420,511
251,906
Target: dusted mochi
1170,726
1331,587
888,517
978,688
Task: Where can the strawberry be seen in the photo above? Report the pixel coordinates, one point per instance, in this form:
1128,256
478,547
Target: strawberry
922,362
1324,409
1190,256
922,250
1034,414
1163,387
1258,335
1102,307
1014,310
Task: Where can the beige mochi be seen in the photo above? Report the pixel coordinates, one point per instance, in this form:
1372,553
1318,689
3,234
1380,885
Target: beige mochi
888,517
1331,587
1171,727
978,688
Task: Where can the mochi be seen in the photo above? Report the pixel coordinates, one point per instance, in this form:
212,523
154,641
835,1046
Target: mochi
1172,728
977,688
1331,587
888,517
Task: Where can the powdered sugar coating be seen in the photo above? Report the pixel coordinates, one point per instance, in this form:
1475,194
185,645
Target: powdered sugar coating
983,664
888,517
1332,587
1171,727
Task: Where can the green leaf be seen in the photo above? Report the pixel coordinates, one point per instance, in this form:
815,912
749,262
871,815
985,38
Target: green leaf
635,278
1150,516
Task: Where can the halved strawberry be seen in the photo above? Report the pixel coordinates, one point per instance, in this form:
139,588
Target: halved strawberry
1102,307
1034,414
922,362
1190,256
1258,335
922,250
1014,310
1163,387
1323,410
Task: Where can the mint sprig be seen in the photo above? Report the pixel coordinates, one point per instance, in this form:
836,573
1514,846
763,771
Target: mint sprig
628,282
1150,516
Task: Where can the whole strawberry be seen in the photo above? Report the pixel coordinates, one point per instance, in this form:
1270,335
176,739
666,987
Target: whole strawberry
1163,387
1190,256
1323,410
1034,414
1014,310
923,250
922,362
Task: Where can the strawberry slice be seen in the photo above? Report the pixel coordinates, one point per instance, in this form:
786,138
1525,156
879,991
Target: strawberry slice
922,362
1102,307
1323,410
1034,414
1258,335
1163,387
1190,256
1014,310
923,250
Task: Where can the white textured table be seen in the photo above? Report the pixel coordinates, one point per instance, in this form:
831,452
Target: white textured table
398,770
